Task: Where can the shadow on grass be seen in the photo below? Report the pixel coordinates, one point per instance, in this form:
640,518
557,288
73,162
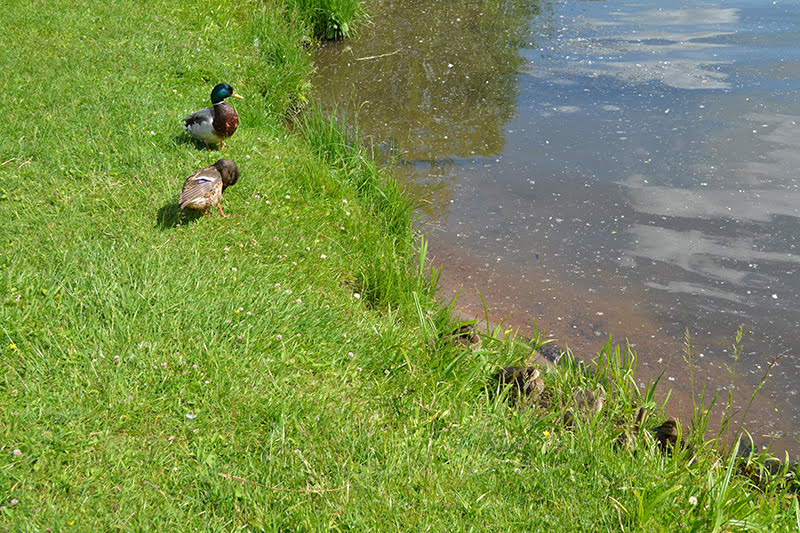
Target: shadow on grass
171,215
184,139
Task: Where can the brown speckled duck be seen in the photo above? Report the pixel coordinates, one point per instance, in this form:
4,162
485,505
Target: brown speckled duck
526,384
216,123
667,435
203,188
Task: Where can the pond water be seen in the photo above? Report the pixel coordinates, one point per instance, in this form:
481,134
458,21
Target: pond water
626,168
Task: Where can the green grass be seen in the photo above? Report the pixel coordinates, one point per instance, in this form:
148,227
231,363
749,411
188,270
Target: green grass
279,369
331,19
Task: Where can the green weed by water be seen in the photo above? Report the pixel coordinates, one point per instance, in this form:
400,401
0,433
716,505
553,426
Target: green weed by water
331,19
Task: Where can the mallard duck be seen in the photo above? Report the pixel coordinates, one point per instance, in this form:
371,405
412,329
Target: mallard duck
526,383
630,432
203,188
588,403
667,435
216,123
463,336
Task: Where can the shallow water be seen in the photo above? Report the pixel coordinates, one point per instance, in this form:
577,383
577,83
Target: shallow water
604,168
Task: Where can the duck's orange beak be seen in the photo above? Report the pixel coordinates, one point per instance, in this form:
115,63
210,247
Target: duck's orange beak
239,96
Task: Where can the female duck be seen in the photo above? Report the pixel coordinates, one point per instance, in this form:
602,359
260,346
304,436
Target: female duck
214,124
203,188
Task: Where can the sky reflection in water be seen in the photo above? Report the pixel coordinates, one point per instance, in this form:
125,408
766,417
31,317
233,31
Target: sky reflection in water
616,167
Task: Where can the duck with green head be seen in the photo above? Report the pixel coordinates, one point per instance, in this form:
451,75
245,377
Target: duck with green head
203,188
216,123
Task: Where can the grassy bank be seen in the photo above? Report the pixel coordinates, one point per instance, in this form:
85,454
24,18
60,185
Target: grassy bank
280,369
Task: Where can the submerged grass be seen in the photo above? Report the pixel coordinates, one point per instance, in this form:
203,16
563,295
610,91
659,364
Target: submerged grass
283,368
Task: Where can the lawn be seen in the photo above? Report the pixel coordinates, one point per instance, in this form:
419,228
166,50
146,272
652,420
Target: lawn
282,368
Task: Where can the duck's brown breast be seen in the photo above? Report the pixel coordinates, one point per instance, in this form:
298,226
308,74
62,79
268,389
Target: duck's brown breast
225,120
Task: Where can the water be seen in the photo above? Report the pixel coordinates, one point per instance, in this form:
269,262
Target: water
606,168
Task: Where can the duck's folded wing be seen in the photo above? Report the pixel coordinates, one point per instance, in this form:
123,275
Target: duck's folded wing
199,117
199,184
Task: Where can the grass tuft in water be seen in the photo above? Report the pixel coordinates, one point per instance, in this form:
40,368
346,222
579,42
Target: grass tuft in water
331,19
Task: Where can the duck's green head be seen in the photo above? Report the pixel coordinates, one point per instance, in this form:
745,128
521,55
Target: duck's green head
221,92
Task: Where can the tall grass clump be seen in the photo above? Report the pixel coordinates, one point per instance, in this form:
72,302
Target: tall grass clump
727,437
331,19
